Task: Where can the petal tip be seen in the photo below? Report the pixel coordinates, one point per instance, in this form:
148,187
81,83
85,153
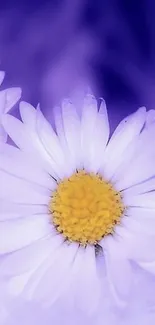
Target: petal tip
2,75
12,97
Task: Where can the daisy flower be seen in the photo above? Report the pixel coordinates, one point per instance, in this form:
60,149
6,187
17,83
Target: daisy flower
8,98
77,206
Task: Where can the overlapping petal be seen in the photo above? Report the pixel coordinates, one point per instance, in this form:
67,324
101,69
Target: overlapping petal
30,173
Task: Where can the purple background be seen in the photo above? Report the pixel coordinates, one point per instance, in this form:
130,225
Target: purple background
51,47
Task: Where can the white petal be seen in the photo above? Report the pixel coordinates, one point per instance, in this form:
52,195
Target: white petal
3,135
140,166
139,226
12,97
141,248
27,258
72,131
61,134
100,139
127,130
139,242
16,284
8,98
2,75
51,144
144,187
55,277
34,120
14,128
11,210
140,170
141,214
28,115
146,200
85,282
28,142
88,123
33,287
150,117
22,232
19,191
119,271
23,166
148,266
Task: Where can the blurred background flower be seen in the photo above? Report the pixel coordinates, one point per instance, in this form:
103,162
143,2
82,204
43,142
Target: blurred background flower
50,47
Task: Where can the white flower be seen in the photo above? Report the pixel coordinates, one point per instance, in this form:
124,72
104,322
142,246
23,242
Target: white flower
8,98
77,210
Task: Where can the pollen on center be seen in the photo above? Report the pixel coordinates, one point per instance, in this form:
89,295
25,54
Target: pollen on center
85,208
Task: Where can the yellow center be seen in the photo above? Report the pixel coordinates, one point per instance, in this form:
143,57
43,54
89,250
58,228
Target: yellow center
85,208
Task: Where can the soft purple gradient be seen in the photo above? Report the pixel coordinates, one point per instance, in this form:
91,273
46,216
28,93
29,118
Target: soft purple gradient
51,48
